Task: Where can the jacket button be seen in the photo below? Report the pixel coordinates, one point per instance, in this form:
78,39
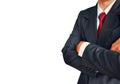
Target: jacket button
97,71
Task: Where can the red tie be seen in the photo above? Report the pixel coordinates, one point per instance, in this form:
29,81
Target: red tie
101,18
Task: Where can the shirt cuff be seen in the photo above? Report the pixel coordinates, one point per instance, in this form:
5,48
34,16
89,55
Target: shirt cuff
82,48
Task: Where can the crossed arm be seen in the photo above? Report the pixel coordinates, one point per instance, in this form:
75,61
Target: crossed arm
115,46
106,61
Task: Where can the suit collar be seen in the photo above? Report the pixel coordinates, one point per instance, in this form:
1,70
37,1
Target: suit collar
116,5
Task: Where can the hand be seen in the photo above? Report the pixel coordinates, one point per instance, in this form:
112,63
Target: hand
79,45
116,46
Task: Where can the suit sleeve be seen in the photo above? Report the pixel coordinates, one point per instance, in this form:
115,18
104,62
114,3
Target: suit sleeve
69,50
106,61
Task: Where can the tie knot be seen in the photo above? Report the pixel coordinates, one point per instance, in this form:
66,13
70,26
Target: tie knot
102,16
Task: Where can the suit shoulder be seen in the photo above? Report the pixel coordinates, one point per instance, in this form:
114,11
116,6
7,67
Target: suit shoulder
87,11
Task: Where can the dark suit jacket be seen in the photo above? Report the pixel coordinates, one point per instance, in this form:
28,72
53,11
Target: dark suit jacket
98,64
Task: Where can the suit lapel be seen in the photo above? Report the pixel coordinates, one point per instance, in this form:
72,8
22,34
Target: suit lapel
91,25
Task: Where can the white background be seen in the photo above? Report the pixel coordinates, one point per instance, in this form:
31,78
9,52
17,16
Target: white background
32,34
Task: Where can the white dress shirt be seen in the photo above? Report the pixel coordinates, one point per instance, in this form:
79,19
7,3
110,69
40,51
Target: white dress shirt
99,11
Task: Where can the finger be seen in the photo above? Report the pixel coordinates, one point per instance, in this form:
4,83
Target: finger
116,42
78,47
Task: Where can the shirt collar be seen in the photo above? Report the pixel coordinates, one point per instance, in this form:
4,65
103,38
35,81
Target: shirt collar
99,10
